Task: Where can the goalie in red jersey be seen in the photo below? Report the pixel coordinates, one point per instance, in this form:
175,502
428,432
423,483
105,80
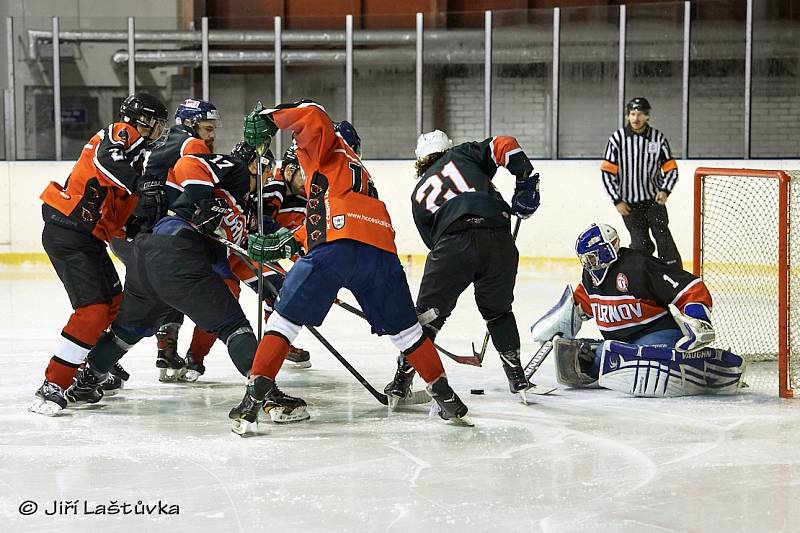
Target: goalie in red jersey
655,320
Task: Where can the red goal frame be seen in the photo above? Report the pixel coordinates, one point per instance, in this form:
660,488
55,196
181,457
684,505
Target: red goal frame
785,389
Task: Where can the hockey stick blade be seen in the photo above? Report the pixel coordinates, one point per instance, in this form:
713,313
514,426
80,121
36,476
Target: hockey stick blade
415,398
462,359
539,390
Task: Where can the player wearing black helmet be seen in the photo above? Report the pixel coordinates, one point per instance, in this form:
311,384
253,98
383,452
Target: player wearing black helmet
176,266
93,206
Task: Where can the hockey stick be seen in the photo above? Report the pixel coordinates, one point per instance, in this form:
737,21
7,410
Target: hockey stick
260,213
480,355
462,359
538,358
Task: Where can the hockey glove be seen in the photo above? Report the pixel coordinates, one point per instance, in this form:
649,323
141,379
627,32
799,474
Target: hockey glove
272,247
209,214
525,201
152,204
695,324
258,129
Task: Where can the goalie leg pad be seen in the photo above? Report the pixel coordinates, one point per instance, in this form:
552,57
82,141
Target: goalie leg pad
564,319
573,359
654,372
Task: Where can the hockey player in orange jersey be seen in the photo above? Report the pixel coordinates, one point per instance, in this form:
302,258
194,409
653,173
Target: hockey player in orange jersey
80,217
350,243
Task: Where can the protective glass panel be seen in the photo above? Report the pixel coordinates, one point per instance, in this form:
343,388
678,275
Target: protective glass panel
588,86
716,79
522,78
315,70
654,65
384,87
775,125
453,75
239,76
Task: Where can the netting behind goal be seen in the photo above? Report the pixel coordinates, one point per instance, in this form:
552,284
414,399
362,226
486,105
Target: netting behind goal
747,241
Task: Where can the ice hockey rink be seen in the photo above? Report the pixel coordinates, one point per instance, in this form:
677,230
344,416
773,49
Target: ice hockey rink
576,460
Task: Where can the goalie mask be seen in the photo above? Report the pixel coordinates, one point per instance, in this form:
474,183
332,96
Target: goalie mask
597,248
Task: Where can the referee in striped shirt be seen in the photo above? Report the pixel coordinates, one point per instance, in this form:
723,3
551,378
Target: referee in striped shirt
639,173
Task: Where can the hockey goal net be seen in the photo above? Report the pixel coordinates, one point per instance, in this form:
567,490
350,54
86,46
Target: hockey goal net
747,249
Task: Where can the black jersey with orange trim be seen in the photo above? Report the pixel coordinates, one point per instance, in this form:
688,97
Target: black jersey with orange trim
203,176
97,197
459,185
632,300
337,184
181,141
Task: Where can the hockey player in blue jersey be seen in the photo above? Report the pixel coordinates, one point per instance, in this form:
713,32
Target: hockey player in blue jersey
655,320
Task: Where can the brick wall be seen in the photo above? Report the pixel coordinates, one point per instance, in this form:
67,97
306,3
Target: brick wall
385,109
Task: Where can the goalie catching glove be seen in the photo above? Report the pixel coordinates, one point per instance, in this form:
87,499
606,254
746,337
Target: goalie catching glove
695,324
272,247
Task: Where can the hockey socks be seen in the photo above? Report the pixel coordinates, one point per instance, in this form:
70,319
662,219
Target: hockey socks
202,341
60,372
425,360
271,353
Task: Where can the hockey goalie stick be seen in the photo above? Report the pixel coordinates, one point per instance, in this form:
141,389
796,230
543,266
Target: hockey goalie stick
480,355
418,397
463,359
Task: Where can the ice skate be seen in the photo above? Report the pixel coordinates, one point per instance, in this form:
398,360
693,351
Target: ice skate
400,388
49,400
245,415
192,371
86,386
168,362
298,357
117,377
517,382
447,403
283,408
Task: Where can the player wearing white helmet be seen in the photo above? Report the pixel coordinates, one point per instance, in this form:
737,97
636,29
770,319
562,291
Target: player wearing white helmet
655,320
465,222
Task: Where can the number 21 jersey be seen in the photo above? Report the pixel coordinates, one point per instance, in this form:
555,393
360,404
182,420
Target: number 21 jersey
457,188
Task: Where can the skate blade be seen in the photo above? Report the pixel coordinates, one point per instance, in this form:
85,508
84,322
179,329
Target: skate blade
523,397
243,428
168,375
300,364
392,402
43,407
190,376
464,421
280,415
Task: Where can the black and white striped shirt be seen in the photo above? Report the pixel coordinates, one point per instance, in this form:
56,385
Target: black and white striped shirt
636,167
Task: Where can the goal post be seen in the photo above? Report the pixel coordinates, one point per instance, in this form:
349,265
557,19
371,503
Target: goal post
746,241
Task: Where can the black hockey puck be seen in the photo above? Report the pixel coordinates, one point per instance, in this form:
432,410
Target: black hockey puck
476,391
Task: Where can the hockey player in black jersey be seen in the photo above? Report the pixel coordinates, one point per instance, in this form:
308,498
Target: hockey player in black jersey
194,132
465,222
655,320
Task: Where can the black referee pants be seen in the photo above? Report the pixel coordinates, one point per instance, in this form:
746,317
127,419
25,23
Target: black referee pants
651,217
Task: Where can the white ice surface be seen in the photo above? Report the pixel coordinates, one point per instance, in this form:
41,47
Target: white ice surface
578,460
